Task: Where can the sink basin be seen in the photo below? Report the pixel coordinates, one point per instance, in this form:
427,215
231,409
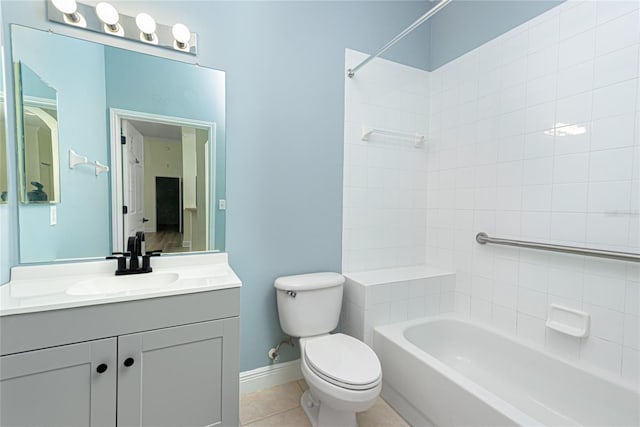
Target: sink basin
118,284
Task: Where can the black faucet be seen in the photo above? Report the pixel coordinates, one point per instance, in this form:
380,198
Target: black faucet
135,250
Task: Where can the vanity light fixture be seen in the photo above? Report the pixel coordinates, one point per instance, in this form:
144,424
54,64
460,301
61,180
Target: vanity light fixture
140,28
182,35
109,17
69,9
147,26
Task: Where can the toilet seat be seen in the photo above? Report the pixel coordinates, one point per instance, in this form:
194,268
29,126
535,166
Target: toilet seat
343,361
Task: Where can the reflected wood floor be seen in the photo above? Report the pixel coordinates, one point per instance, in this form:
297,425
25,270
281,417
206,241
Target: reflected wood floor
165,241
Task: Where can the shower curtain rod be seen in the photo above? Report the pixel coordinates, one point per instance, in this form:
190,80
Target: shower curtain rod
352,71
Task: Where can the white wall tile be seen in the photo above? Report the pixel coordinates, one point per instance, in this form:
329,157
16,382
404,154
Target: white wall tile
572,139
631,365
614,100
577,19
632,331
504,318
611,165
575,79
543,31
531,329
605,197
604,291
605,323
608,10
613,132
534,276
569,197
618,33
533,136
632,298
383,175
537,171
616,66
536,225
568,226
536,198
532,303
571,168
566,283
574,109
480,310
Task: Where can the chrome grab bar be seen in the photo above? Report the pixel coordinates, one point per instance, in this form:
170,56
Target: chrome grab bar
483,238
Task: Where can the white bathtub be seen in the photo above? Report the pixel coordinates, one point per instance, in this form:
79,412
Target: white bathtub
446,371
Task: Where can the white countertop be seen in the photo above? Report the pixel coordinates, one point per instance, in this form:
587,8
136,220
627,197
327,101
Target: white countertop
35,288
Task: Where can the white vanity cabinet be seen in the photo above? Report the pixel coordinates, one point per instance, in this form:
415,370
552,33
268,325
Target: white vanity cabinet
170,360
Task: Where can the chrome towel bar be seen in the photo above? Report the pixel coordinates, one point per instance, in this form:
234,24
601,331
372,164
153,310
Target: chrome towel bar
483,238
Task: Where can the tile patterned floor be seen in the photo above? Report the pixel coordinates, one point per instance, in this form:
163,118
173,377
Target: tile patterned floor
280,406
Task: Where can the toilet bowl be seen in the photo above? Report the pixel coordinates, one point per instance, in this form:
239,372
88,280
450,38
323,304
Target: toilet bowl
344,377
343,373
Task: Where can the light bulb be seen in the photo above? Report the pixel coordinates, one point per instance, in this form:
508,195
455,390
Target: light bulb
107,13
147,25
68,7
182,35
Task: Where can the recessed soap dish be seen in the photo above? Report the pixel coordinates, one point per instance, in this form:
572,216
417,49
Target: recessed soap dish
568,321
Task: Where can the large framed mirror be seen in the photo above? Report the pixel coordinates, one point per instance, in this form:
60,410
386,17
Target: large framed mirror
140,147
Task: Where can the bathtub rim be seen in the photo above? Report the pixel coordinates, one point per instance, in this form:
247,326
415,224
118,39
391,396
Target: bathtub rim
395,334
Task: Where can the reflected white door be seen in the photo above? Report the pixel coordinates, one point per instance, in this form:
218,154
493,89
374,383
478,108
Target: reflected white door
133,164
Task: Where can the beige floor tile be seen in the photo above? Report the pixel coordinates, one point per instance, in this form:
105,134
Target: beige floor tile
293,418
381,414
261,404
280,406
303,384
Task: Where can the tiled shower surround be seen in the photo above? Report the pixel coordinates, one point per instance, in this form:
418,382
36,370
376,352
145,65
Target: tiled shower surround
535,136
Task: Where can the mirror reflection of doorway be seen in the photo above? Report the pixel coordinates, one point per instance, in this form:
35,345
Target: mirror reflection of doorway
169,199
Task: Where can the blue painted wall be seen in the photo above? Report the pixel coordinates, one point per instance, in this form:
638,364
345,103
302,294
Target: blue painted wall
179,90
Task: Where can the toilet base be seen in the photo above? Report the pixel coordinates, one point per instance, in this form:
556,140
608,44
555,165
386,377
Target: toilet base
324,416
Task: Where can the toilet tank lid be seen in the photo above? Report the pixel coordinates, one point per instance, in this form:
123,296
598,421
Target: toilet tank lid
310,281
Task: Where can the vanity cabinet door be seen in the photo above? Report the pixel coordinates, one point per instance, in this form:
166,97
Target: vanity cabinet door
180,376
71,385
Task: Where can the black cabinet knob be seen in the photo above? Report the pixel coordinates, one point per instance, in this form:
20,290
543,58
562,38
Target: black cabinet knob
102,368
128,361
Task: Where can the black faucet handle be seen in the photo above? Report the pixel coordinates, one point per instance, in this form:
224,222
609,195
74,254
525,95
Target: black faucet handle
122,261
146,261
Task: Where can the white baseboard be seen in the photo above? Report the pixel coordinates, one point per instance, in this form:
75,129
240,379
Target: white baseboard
269,376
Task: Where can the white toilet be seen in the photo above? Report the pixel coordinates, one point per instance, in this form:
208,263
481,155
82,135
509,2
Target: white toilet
343,373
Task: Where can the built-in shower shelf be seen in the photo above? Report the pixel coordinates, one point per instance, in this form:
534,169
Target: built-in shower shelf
418,139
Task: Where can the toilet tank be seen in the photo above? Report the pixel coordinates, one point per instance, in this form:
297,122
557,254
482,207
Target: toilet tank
309,304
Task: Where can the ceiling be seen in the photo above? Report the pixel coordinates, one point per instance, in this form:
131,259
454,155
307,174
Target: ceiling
158,130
